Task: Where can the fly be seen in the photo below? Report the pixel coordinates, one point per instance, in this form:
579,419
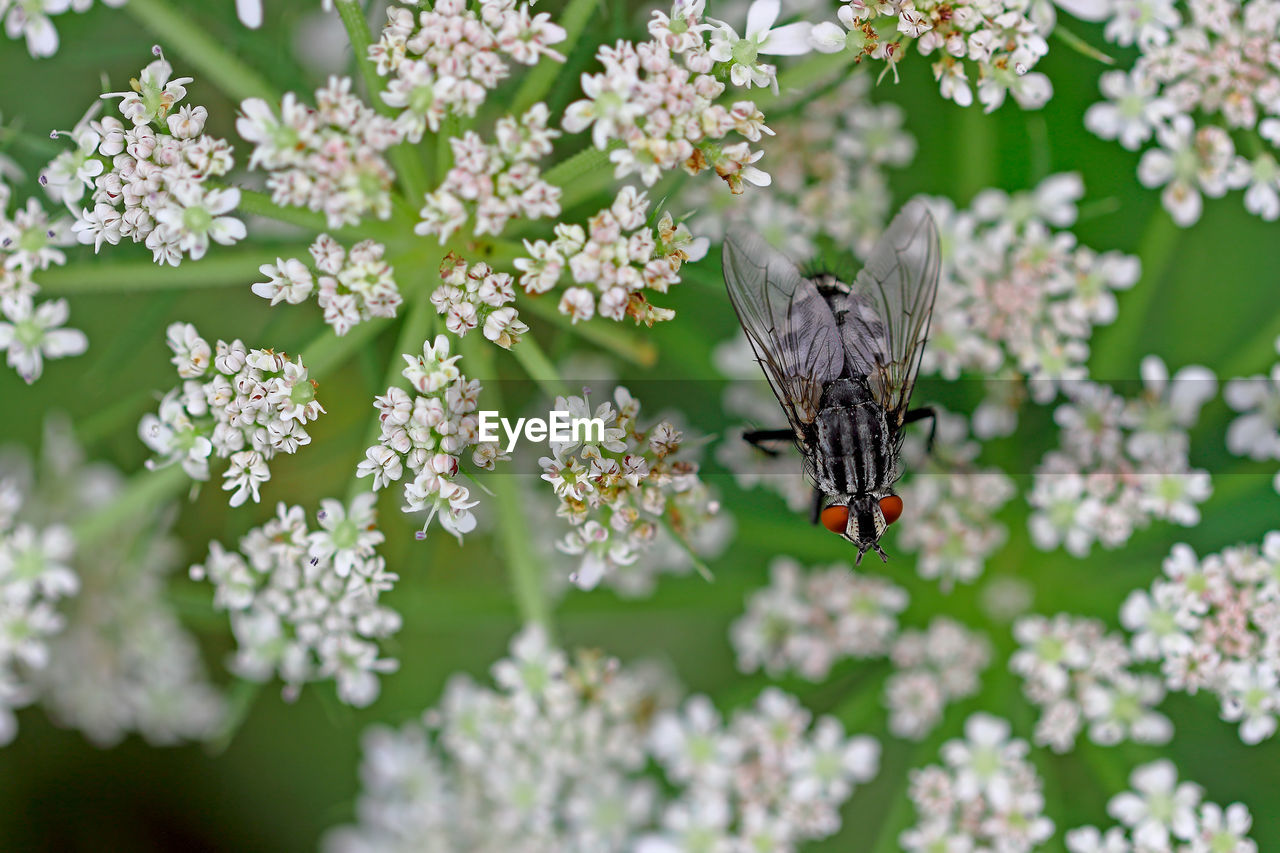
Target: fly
842,360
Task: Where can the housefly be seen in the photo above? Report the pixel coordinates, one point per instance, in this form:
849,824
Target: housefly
842,360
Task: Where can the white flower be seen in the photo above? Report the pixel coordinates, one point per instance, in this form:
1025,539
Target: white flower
248,470
154,94
1158,805
30,19
383,464
985,759
31,334
1133,112
1223,831
1262,197
1256,432
1252,694
196,216
743,52
290,281
1190,160
346,539
1088,839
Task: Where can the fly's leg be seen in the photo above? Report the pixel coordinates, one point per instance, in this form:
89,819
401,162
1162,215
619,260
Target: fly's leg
815,511
919,415
757,437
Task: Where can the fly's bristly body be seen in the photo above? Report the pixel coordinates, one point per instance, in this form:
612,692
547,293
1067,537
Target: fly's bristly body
842,360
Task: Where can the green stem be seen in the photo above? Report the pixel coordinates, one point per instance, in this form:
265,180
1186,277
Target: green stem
540,369
205,54
581,176
795,82
974,168
698,564
413,332
105,421
352,14
1256,354
517,542
143,491
1115,350
527,576
260,204
1079,45
327,351
609,336
239,702
538,81
229,269
38,144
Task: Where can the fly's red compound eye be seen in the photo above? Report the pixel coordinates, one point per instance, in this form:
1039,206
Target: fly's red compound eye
891,506
835,518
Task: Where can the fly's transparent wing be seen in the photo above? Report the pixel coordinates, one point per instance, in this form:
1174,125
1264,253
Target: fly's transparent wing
891,304
791,329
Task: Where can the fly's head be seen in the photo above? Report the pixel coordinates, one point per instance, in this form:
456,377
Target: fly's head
863,519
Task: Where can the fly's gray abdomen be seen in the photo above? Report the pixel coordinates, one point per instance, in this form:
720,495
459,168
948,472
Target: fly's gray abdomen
852,449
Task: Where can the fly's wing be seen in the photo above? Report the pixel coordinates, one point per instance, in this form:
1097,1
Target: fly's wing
887,321
791,329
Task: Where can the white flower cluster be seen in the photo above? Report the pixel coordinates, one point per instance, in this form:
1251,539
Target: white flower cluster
31,332
328,159
152,181
933,668
494,183
558,757
1206,71
807,621
1163,814
1256,432
950,503
997,36
87,631
446,59
475,296
427,433
658,100
1077,673
620,254
1017,298
35,576
830,178
625,494
985,796
30,20
764,781
234,403
1121,463
304,604
351,287
1214,624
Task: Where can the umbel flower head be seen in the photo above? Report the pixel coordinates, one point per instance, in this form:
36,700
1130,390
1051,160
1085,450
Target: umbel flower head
426,435
623,491
561,753
157,182
304,604
86,627
234,403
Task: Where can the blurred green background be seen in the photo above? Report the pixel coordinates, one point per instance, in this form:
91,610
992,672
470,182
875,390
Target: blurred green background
1208,295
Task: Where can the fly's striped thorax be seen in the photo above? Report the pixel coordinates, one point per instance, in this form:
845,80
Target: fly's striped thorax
852,449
